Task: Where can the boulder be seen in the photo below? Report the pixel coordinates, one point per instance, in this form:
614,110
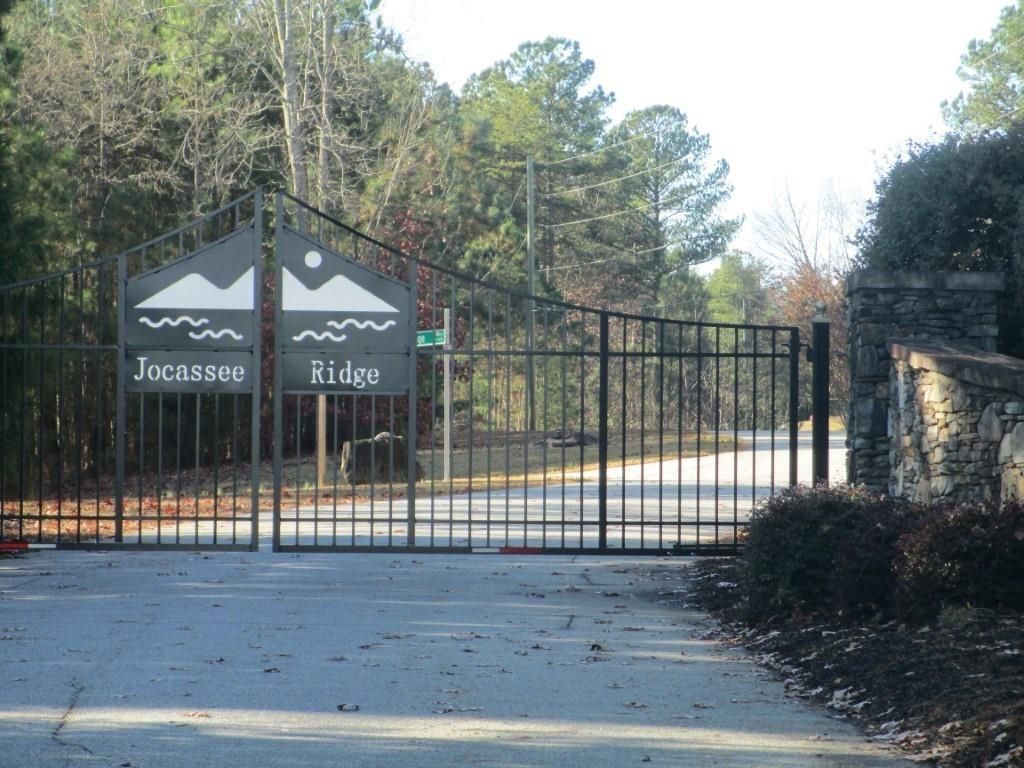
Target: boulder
380,459
568,438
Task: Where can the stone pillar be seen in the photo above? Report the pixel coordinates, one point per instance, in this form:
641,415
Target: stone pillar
941,306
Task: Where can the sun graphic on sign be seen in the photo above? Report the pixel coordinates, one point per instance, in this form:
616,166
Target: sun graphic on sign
338,295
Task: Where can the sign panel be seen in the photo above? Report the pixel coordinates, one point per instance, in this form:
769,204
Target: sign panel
197,370
432,338
350,323
190,326
358,372
203,301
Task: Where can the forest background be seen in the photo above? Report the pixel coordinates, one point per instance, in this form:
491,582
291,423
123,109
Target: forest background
120,119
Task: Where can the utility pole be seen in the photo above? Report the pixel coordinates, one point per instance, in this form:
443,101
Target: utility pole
531,289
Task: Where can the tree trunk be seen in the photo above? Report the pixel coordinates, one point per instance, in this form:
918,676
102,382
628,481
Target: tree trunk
295,137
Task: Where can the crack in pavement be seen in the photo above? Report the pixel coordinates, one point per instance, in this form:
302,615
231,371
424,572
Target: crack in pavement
76,693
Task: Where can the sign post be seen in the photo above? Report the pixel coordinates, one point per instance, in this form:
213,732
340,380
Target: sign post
446,340
442,337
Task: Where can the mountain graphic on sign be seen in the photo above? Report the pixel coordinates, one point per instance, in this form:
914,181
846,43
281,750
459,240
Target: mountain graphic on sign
194,291
339,294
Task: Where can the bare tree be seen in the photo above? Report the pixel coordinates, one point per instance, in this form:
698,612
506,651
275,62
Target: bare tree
814,253
342,125
94,92
819,239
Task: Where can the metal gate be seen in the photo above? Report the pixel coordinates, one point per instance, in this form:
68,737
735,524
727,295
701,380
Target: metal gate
530,425
117,428
409,407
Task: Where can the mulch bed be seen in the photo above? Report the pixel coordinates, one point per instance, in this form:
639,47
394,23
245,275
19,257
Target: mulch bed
950,693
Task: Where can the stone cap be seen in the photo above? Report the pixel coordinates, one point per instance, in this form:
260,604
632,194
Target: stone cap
880,279
962,361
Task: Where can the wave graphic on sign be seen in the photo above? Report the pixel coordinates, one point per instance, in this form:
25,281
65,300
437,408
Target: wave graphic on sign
174,322
339,294
319,336
209,334
362,325
194,291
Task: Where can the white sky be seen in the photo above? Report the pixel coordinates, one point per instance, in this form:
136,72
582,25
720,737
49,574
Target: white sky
797,92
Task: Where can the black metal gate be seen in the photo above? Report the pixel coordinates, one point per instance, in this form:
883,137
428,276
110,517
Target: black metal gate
117,429
426,412
535,426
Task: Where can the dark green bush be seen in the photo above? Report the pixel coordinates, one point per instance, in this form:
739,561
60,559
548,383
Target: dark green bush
823,550
971,555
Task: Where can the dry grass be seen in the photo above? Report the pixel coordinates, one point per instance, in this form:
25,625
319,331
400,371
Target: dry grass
492,463
527,460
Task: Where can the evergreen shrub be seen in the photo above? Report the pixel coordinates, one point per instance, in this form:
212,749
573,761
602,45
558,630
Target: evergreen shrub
826,550
962,556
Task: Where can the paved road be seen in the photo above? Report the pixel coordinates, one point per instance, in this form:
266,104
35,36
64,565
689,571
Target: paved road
651,505
173,659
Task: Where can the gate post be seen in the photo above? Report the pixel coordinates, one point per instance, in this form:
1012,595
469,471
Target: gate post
257,373
412,275
820,395
602,436
794,403
278,395
120,404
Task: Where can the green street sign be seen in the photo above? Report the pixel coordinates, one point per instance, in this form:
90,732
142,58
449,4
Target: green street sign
432,338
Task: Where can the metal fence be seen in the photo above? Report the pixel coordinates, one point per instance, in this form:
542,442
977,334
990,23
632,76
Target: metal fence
85,462
540,426
524,423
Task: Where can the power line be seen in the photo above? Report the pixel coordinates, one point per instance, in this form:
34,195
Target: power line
620,250
596,151
612,181
1010,112
577,266
657,248
633,209
515,197
996,50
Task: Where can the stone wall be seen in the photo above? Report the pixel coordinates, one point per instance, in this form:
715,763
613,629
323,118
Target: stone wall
957,423
943,306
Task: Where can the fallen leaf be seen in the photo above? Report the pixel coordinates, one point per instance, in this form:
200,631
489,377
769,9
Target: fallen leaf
448,709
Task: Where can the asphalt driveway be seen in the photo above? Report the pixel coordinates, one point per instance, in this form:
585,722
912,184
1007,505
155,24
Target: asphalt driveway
152,660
